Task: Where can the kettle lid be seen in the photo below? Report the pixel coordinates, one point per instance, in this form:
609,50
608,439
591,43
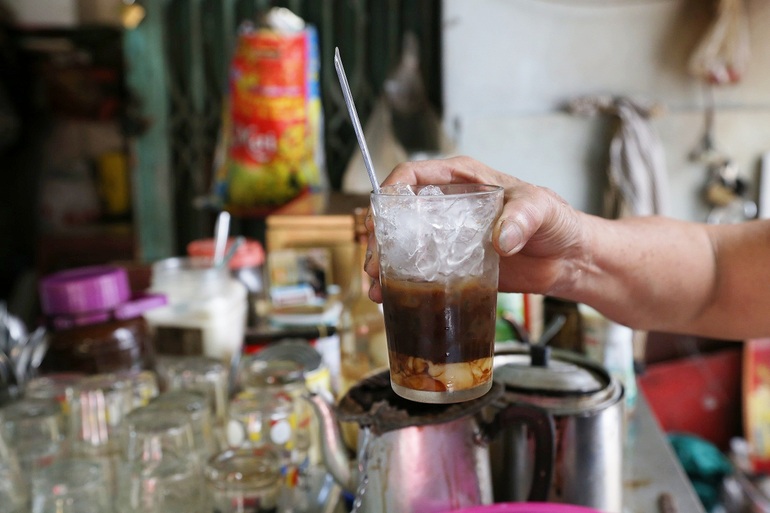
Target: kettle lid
562,377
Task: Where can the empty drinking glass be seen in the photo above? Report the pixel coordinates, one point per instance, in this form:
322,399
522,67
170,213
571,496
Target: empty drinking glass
99,405
13,487
34,429
195,405
160,471
144,385
208,375
71,486
243,480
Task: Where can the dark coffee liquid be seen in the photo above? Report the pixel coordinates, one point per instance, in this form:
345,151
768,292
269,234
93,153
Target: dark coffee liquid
441,323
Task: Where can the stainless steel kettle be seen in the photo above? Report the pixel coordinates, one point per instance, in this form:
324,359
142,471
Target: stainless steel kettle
586,404
422,458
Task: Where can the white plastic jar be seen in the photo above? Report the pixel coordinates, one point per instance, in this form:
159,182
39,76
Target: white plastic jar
206,310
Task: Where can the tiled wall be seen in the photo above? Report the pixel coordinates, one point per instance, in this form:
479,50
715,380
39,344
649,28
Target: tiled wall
510,65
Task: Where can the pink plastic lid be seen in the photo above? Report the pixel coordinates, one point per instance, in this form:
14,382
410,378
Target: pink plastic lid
527,507
85,289
248,254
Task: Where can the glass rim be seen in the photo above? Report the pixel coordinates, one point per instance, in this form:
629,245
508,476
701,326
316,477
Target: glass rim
465,190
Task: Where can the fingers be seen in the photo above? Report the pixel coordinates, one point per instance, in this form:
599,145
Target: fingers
537,218
450,170
535,221
372,262
375,292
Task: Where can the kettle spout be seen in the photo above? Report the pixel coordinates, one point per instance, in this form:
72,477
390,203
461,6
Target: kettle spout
333,449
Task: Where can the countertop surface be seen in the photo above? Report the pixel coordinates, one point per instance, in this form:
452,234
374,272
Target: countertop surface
651,468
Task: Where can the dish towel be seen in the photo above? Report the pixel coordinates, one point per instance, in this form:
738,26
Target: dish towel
637,183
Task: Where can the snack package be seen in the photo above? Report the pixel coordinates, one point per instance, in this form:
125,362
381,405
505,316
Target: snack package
271,133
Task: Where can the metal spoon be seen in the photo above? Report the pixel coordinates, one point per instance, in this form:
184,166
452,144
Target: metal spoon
231,251
354,118
221,231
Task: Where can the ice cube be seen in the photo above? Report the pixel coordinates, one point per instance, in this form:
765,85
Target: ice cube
430,190
399,189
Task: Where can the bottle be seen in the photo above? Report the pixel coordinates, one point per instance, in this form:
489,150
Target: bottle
363,346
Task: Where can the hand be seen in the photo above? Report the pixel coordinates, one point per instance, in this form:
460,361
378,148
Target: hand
538,235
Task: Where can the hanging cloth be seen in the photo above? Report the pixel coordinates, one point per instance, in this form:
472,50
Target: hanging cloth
637,184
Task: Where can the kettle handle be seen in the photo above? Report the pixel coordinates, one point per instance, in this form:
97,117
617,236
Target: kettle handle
540,423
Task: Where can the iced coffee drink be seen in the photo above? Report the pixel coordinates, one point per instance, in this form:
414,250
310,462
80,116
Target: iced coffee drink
439,273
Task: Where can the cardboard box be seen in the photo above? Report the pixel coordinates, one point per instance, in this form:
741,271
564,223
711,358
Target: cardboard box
320,224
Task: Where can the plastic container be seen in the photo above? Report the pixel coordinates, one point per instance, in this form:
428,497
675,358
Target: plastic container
246,265
95,324
206,311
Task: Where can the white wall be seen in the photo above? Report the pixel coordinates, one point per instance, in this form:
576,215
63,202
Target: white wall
510,66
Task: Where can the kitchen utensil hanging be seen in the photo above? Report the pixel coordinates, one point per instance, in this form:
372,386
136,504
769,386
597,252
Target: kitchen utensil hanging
725,190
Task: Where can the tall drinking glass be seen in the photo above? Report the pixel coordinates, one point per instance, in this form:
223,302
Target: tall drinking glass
438,272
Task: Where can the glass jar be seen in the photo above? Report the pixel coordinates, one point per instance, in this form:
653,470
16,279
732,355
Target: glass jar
284,380
255,420
206,310
246,265
95,324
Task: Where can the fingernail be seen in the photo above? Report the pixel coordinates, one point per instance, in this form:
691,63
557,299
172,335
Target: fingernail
511,236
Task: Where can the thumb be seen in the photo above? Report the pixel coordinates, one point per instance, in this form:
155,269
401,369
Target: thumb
508,236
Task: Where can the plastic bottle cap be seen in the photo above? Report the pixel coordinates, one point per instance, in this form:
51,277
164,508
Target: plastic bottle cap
249,254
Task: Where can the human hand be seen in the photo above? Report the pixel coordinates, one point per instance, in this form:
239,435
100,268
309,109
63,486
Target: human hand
538,235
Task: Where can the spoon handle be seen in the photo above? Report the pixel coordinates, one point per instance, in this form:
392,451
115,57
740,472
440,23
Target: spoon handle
221,232
354,118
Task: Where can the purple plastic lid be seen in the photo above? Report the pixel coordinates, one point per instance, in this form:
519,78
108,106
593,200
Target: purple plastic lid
82,290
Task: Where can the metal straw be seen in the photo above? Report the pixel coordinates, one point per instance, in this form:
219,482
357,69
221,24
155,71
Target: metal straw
354,118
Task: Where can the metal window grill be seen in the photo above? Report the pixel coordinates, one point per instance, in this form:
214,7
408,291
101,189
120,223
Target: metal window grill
177,61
